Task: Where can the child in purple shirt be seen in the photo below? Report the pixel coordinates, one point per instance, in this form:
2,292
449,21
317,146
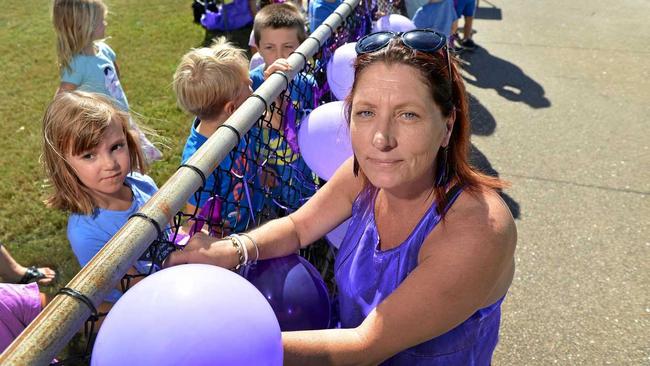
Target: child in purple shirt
19,305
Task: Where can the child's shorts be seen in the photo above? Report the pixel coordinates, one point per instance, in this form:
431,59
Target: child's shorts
465,7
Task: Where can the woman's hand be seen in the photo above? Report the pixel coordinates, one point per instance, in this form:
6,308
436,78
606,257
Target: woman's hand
205,249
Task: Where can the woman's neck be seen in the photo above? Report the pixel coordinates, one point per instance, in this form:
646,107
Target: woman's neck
404,200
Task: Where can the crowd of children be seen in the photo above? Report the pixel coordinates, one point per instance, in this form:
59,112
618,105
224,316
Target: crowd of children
96,156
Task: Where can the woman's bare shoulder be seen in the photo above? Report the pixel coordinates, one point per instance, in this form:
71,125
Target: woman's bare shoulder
477,217
484,209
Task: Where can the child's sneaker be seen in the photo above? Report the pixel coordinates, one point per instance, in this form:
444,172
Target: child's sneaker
468,44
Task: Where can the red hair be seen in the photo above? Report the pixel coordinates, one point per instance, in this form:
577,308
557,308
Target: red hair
448,95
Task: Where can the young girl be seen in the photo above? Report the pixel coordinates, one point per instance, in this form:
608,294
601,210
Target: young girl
96,167
86,62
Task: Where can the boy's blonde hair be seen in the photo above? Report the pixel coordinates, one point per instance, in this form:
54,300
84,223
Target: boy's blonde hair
208,78
279,15
74,123
74,24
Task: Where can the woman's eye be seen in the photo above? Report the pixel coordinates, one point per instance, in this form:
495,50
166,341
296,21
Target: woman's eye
365,114
409,116
118,146
87,156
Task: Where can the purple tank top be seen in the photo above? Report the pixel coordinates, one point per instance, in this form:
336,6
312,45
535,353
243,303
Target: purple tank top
366,275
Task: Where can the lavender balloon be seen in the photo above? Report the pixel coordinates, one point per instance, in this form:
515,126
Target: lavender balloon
295,290
393,22
324,139
340,70
193,314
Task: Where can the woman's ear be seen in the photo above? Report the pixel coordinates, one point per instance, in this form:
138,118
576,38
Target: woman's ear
450,127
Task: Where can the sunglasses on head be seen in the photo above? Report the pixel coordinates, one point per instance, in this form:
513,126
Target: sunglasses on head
423,40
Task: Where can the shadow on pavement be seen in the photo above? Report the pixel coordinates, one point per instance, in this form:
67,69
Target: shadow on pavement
490,72
488,13
480,162
481,120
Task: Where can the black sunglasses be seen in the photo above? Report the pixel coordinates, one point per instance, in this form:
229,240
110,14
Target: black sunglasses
424,40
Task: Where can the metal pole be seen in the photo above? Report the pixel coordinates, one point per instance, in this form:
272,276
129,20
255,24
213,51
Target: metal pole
64,316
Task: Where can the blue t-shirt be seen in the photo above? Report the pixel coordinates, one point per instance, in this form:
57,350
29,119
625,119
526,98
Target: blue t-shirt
319,10
96,73
437,16
235,181
89,233
296,182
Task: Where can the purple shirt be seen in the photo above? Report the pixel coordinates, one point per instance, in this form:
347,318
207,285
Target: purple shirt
19,305
366,275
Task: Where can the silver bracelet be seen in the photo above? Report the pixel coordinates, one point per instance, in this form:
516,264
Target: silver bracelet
257,249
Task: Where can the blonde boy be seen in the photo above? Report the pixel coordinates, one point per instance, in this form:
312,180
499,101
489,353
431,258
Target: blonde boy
211,83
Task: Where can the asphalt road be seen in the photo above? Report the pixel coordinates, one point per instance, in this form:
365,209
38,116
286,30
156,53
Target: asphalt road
560,97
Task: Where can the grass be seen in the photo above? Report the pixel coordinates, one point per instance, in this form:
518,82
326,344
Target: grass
149,38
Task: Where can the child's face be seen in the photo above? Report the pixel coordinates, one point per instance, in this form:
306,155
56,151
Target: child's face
104,168
100,29
277,43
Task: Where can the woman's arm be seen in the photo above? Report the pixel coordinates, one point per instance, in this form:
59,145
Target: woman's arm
464,265
330,206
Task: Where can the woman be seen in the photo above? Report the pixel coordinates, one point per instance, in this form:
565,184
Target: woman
429,253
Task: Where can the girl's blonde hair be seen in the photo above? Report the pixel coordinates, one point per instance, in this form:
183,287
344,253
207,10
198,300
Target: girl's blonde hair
74,123
208,78
74,23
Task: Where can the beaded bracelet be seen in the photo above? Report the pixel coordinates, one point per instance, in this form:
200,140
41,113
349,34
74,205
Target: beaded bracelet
237,238
257,249
240,253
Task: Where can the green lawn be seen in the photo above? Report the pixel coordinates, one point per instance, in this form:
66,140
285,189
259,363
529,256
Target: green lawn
149,38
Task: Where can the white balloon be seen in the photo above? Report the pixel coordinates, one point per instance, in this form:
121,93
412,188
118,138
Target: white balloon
324,139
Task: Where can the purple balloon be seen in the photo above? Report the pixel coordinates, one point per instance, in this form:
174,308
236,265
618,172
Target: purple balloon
393,22
340,70
193,314
295,290
324,139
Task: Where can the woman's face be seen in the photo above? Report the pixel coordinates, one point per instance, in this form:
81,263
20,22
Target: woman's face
396,128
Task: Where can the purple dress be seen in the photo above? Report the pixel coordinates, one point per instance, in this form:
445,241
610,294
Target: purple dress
366,275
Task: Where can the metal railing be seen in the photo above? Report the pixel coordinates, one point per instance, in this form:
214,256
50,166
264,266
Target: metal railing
65,315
